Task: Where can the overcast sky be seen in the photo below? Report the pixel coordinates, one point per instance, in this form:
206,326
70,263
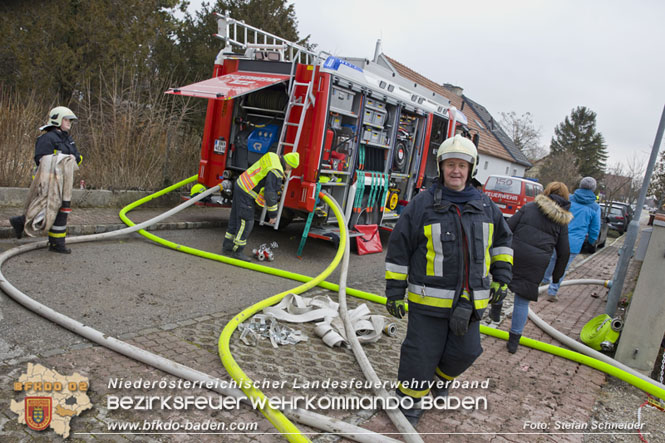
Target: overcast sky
542,57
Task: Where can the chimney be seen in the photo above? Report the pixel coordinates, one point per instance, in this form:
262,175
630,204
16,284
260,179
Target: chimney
457,90
377,50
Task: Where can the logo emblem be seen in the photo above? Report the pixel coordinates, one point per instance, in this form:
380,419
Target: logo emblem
38,412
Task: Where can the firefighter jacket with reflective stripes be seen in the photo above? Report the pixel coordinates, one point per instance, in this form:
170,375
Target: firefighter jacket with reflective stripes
55,141
439,248
262,181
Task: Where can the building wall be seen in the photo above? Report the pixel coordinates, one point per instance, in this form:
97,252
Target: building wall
496,166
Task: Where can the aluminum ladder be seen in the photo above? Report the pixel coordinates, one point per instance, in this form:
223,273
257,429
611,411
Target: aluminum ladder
307,99
238,33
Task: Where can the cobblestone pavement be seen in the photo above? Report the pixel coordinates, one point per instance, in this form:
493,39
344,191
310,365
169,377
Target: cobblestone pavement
527,393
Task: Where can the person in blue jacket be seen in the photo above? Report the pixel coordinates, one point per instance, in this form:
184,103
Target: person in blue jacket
586,221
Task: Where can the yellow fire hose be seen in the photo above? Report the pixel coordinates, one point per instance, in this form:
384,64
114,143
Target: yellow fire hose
278,419
312,419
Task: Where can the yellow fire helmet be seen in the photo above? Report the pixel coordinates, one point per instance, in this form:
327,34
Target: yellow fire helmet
458,147
56,115
292,159
197,189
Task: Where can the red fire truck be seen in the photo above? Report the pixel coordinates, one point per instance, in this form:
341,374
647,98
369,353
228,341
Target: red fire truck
365,135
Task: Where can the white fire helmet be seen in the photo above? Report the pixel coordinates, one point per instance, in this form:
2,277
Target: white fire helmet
458,147
56,115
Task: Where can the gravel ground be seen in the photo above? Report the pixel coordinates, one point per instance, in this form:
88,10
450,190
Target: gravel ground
619,403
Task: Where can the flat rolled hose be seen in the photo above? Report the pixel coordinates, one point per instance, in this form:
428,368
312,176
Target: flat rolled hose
596,331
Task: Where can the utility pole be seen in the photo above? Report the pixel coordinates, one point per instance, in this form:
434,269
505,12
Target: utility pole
626,251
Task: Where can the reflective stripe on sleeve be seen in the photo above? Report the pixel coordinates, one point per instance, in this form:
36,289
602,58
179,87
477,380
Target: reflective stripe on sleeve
481,298
503,253
396,272
395,276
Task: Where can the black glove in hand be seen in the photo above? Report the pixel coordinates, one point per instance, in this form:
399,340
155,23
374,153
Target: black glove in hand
459,320
396,308
498,291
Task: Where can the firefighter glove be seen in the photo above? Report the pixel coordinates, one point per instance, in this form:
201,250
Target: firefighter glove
498,291
459,320
396,308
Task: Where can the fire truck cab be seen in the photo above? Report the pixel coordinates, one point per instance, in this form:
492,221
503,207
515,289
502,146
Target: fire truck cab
365,135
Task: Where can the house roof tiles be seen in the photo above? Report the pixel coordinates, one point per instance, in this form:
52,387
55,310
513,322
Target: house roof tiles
498,132
489,144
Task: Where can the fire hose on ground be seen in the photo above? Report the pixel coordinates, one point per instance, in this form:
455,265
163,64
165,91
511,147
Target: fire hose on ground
306,417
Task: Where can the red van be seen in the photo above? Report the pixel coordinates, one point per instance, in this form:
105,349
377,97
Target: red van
511,193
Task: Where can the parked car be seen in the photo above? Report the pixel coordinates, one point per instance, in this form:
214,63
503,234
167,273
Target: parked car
628,209
511,193
617,215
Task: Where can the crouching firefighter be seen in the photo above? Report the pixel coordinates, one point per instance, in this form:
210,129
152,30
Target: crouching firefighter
260,183
49,198
447,242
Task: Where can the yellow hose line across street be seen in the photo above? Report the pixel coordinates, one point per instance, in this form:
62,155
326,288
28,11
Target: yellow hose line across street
276,417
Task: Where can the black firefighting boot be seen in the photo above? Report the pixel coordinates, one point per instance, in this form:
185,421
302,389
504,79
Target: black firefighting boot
412,413
238,255
18,224
495,313
440,391
227,246
54,247
513,342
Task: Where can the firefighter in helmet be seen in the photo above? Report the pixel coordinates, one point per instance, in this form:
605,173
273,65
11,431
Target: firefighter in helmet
55,140
447,243
260,183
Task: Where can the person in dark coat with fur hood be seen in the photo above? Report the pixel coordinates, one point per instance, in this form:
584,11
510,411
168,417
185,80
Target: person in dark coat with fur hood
539,228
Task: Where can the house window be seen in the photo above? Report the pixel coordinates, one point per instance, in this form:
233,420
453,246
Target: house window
486,164
507,169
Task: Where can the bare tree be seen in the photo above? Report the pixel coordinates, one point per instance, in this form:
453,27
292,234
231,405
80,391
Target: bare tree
560,167
615,185
635,168
524,134
623,181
